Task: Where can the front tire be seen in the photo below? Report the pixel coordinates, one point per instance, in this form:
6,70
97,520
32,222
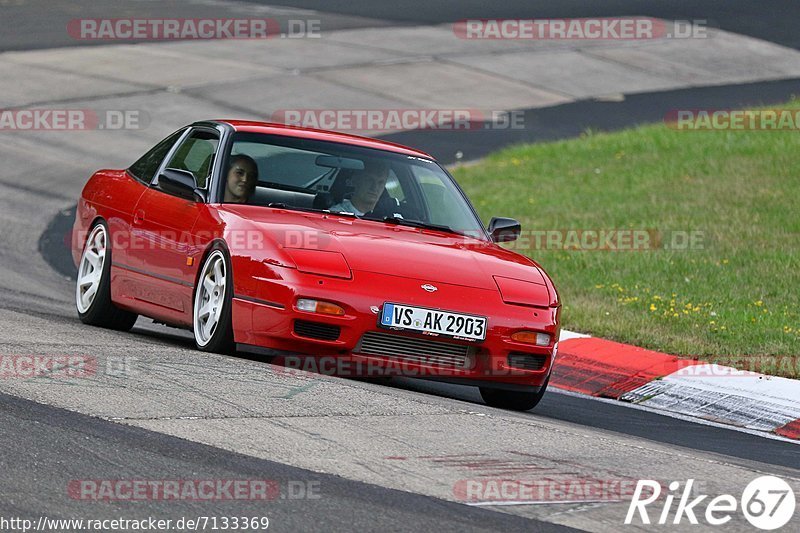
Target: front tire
212,325
513,400
93,286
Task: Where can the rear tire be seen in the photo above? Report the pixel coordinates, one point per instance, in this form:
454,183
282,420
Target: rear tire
93,286
211,313
513,400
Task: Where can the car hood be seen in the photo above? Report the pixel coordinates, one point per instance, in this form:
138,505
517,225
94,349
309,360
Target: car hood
425,255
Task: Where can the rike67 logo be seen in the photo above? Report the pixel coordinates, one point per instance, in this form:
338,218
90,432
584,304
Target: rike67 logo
768,503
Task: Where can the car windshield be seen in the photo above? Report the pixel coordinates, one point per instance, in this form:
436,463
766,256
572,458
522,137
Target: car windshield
306,174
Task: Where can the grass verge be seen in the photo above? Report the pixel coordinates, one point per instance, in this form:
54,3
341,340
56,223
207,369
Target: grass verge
736,292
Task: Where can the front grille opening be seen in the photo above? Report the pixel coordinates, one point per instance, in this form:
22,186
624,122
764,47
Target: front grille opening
316,330
423,351
526,361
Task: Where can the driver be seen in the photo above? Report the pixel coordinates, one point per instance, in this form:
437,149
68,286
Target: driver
368,186
241,179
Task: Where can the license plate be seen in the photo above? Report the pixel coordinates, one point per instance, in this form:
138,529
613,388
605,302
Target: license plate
433,322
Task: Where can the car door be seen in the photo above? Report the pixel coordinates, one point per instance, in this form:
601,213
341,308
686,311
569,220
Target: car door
120,197
166,248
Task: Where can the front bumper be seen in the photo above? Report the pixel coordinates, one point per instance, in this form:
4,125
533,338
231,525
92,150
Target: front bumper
266,320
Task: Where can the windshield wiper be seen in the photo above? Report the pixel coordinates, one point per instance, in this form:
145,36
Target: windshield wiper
419,224
281,205
389,220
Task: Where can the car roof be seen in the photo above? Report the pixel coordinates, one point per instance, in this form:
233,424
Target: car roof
270,128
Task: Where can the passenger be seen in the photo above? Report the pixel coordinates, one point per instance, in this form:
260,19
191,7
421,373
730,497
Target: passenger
241,179
368,186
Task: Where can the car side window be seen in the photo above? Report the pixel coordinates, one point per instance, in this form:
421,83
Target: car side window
435,193
196,155
146,167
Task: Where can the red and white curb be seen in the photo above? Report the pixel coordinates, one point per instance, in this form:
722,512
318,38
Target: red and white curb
725,395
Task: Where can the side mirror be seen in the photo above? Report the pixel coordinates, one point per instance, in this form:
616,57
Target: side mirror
180,183
504,229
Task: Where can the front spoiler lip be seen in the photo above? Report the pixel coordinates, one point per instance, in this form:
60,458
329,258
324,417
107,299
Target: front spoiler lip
509,378
516,387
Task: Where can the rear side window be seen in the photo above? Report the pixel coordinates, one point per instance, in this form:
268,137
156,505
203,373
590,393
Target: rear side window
146,167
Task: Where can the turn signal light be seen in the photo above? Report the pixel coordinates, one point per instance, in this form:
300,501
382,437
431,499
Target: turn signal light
532,337
316,306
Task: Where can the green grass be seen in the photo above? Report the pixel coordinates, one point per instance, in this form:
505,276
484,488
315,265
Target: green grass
739,295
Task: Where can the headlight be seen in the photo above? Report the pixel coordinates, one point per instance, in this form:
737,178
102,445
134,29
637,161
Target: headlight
519,292
320,262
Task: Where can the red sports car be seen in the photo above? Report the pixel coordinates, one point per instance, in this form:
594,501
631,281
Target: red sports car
316,245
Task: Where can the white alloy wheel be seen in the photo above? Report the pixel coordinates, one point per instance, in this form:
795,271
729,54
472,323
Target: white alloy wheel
209,299
90,271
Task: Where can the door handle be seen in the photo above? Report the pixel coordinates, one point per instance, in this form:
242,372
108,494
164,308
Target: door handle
138,216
